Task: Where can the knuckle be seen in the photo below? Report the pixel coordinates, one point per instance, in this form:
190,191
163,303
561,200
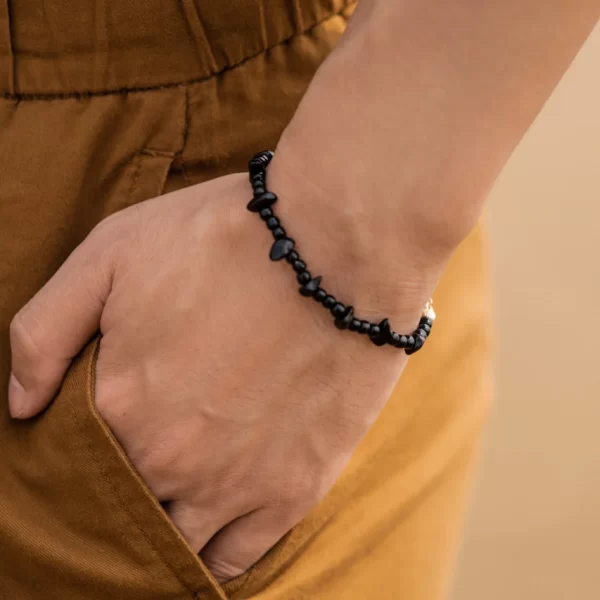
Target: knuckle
23,335
224,569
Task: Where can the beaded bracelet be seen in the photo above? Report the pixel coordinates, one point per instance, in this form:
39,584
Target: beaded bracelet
283,247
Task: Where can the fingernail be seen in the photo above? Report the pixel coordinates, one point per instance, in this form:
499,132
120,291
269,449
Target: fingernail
16,398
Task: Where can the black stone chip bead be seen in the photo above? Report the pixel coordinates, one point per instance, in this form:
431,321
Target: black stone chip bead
273,223
281,248
299,266
368,328
310,289
343,322
384,335
263,201
354,325
266,214
338,310
292,257
278,232
259,190
419,341
320,295
329,301
304,277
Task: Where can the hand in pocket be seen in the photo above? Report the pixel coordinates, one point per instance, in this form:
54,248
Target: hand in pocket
234,397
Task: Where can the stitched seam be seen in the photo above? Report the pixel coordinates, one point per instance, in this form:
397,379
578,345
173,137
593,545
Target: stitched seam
134,178
151,88
90,383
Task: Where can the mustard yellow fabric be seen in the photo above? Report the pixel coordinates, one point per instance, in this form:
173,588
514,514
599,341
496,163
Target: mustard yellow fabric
105,104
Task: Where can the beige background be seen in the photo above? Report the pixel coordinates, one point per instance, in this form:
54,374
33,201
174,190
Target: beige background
534,527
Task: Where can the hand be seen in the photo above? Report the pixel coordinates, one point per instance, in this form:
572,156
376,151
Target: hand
235,398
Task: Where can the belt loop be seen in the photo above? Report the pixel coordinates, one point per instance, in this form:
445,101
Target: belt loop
7,59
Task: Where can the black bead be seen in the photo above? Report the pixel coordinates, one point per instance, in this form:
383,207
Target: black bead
278,232
311,288
384,336
281,248
320,295
256,167
426,321
292,257
263,201
265,214
343,322
426,328
273,222
329,301
410,341
258,178
421,332
403,342
299,266
338,310
354,325
259,190
367,328
419,341
304,277
395,338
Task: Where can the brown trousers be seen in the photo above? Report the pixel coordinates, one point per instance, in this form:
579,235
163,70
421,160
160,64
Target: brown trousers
106,104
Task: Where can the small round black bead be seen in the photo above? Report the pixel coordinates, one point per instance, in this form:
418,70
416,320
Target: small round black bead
338,310
278,232
273,223
304,277
259,190
299,266
410,341
265,214
292,257
421,332
395,338
329,301
320,295
367,328
426,321
403,342
354,325
425,328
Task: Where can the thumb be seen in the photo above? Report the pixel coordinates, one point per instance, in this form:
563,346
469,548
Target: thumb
54,325
243,542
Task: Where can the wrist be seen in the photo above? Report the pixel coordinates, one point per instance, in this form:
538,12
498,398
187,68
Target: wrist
366,259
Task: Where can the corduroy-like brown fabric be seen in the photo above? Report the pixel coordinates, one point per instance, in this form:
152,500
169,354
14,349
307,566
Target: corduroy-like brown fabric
106,104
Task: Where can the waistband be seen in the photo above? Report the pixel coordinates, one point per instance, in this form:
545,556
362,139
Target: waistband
64,47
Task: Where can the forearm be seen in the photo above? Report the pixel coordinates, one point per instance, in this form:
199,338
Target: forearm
414,114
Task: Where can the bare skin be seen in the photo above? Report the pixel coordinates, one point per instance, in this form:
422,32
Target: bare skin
235,398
